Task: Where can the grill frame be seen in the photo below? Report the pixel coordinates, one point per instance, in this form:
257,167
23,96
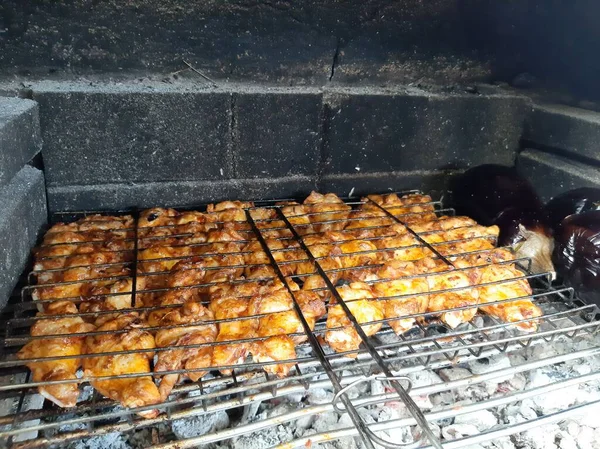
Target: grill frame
563,293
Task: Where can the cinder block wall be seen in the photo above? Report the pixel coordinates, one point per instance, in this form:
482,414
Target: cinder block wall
22,190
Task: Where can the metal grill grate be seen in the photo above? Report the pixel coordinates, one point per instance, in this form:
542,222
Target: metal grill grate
27,421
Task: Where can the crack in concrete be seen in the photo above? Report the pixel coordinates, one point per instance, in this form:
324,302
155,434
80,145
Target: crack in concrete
336,56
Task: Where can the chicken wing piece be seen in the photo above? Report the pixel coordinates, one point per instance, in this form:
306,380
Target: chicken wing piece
95,222
130,391
109,297
189,330
359,299
443,224
512,287
156,217
402,279
298,216
227,308
64,322
77,260
470,232
462,297
358,253
230,211
376,219
275,349
326,208
416,205
402,247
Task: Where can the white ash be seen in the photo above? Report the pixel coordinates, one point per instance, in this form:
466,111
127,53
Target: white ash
200,425
113,440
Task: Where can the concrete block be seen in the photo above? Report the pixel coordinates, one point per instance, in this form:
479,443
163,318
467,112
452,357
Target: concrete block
276,134
20,138
108,133
571,129
552,174
417,130
173,194
22,218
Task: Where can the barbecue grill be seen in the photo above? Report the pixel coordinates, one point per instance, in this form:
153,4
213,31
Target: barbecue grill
185,106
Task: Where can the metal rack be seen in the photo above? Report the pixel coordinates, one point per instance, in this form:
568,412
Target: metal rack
384,355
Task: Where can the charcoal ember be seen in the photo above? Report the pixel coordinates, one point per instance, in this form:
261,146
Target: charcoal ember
424,378
264,439
518,382
443,398
483,419
566,441
281,409
456,431
490,364
452,374
112,440
324,422
319,396
305,422
200,425
501,443
589,418
556,400
543,437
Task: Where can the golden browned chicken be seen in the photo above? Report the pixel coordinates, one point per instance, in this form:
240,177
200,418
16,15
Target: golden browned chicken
95,222
326,212
376,219
233,211
298,216
359,298
401,281
114,296
443,224
278,348
80,282
413,207
464,296
230,308
130,391
503,283
188,331
65,322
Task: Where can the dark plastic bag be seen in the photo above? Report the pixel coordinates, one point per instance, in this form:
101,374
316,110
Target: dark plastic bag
577,254
572,202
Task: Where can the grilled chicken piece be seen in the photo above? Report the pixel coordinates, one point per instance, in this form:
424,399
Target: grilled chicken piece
66,249
232,211
109,297
464,296
80,282
189,331
298,216
359,299
376,219
504,284
411,207
95,222
403,247
130,391
227,308
64,395
401,279
445,223
275,349
76,260
326,208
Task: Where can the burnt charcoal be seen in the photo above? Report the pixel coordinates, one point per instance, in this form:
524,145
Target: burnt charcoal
407,132
20,138
21,220
276,134
552,175
571,129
